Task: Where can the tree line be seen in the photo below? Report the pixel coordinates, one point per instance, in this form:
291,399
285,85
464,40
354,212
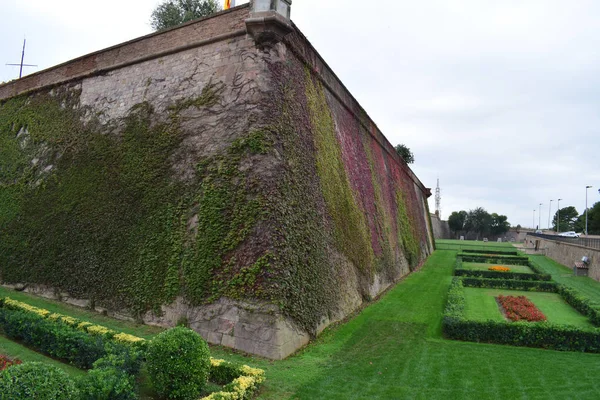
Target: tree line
478,222
571,220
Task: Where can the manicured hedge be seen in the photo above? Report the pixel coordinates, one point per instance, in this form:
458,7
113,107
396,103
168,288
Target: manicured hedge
505,260
51,338
241,382
37,381
529,334
511,284
499,252
502,275
538,334
581,303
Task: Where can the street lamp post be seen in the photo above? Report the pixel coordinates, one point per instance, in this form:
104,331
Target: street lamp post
540,217
558,217
586,209
533,224
549,212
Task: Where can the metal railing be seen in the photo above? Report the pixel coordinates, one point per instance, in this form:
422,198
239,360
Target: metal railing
591,243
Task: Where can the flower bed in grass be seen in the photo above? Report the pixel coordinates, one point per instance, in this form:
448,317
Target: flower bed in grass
499,268
520,308
6,362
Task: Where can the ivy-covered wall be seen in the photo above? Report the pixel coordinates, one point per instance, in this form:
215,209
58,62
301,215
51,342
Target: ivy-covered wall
226,171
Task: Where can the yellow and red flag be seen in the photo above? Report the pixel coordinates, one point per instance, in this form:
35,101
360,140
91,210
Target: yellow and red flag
227,4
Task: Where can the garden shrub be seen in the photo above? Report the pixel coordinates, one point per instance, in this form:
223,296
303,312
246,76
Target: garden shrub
512,284
502,275
495,259
495,252
178,363
581,303
37,381
242,381
107,383
51,338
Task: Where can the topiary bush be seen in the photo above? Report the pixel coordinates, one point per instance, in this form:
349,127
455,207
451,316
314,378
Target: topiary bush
178,363
37,381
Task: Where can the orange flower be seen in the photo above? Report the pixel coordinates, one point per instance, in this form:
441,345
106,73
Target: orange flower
499,268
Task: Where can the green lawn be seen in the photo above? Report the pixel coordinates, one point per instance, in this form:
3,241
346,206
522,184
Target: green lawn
481,305
394,350
484,267
459,245
15,350
561,274
144,331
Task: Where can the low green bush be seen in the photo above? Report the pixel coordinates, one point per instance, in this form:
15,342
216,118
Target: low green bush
534,286
497,252
107,383
502,275
529,334
581,303
224,373
178,363
52,338
37,381
496,259
535,268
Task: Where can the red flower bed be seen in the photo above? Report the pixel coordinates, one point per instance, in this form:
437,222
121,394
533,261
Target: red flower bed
520,308
6,362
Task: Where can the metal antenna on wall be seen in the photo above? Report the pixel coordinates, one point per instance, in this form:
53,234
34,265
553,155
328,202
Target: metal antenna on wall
438,200
22,59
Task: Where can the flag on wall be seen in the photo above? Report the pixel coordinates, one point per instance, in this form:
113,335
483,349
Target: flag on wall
227,4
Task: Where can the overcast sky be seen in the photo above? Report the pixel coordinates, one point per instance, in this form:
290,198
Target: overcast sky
499,99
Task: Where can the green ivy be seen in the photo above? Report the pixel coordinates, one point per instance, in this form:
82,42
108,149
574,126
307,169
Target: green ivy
351,231
407,234
107,221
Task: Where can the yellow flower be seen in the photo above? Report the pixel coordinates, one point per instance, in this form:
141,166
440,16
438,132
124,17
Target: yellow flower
127,338
216,362
84,325
99,330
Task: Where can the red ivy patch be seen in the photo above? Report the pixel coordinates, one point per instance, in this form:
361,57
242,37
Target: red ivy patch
520,309
6,362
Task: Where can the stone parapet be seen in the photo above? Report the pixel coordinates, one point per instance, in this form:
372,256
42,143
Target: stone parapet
215,28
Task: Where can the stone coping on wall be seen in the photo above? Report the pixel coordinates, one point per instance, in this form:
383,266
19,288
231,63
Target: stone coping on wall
217,27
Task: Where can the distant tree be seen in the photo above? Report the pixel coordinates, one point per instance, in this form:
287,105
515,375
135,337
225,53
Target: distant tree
568,217
519,227
593,221
479,221
171,13
457,220
405,153
499,224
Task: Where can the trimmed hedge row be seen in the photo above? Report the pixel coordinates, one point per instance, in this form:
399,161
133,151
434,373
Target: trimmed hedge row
540,334
511,284
581,303
241,382
498,252
502,275
53,339
505,260
528,334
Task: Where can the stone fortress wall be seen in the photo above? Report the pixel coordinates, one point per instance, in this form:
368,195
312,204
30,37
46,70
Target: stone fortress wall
233,184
